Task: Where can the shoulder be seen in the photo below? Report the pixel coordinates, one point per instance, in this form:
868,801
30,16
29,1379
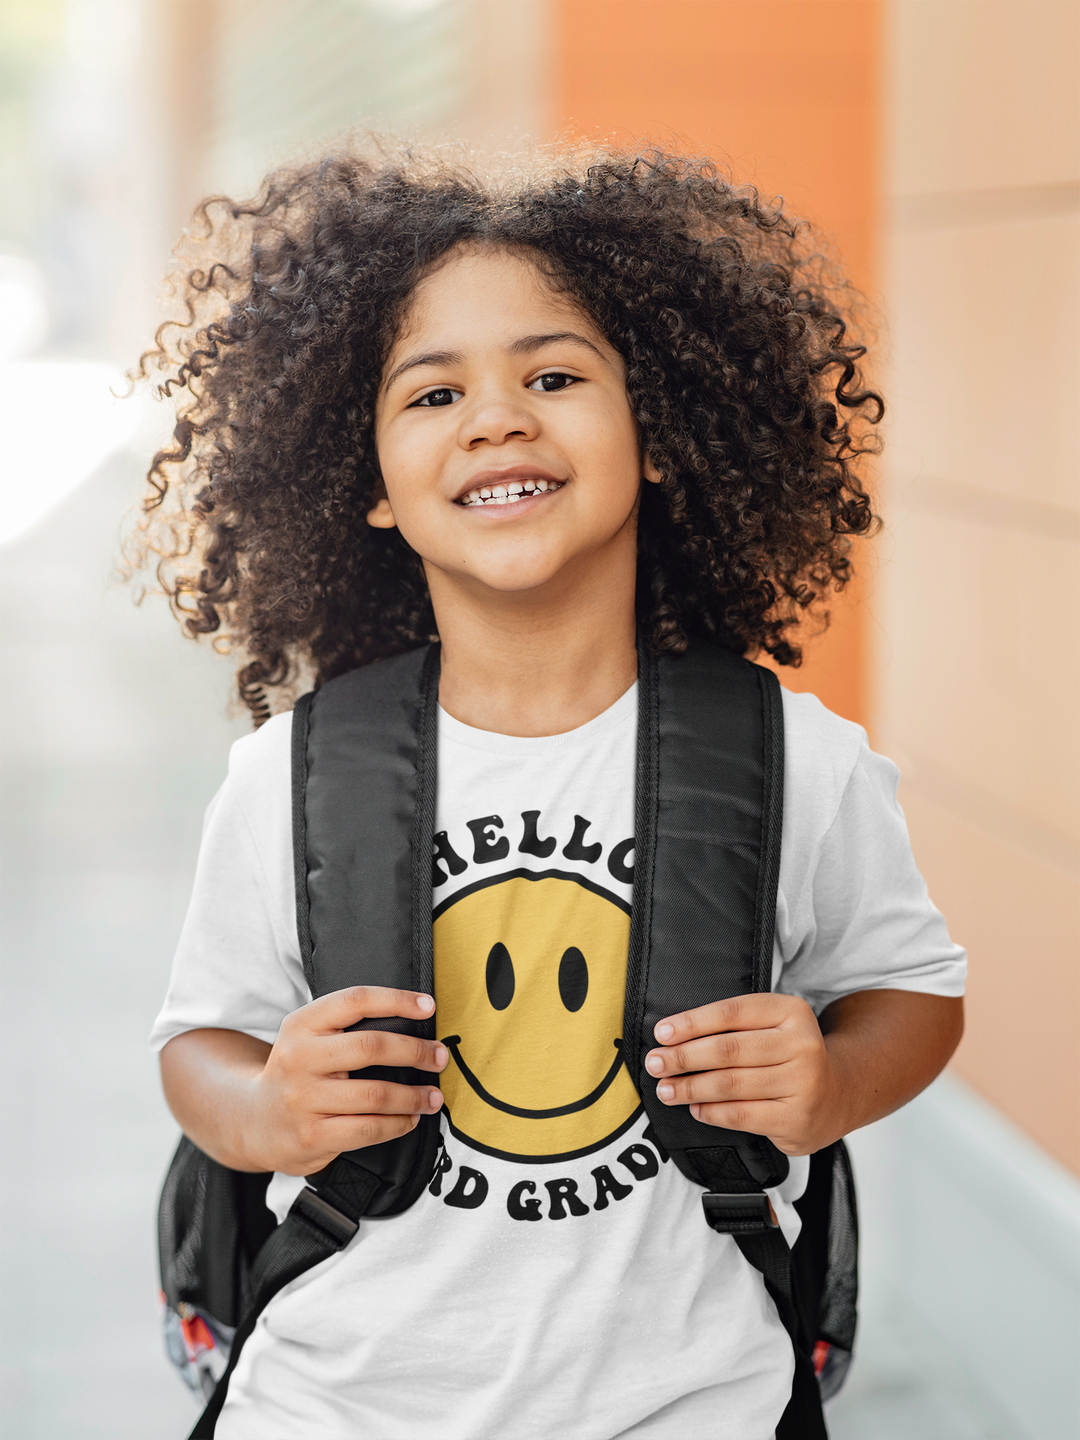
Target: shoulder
260,775
832,779
821,753
255,757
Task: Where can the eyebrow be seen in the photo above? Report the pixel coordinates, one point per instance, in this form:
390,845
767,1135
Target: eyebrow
435,357
526,345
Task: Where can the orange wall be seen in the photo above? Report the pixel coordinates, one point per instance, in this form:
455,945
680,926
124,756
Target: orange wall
786,93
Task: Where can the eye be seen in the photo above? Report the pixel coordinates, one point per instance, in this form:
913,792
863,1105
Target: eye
499,976
436,398
573,978
554,380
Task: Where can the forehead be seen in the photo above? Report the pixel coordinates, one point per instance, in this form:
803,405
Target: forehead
485,295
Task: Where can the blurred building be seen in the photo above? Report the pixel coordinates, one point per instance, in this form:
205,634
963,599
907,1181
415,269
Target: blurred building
934,143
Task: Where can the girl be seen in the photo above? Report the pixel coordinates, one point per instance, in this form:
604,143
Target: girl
531,418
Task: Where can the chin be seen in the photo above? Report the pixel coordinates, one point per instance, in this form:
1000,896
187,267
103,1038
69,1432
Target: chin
515,571
516,580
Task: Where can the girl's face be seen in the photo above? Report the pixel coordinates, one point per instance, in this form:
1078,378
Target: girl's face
508,449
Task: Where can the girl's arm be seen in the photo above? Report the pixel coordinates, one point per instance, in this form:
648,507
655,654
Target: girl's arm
763,1063
291,1106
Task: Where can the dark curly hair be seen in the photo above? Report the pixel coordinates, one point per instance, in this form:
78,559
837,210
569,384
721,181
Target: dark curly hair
740,373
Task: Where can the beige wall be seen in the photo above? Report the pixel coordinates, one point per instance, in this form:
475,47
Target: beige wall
977,684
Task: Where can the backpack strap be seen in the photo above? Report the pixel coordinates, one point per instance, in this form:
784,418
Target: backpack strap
320,1223
710,800
364,751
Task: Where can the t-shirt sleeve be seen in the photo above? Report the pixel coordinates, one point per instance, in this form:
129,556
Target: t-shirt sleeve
855,913
237,965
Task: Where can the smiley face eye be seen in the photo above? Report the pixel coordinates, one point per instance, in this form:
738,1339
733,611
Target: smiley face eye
499,976
573,978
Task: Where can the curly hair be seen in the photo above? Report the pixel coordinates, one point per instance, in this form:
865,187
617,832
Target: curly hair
740,373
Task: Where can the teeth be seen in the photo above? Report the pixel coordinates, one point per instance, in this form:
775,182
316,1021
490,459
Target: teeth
509,494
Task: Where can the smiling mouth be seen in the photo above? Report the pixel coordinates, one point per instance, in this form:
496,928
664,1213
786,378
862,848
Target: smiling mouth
510,492
453,1041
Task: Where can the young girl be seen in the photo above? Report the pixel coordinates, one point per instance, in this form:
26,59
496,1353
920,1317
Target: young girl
533,419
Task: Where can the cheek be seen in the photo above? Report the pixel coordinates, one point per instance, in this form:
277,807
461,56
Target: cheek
610,452
409,471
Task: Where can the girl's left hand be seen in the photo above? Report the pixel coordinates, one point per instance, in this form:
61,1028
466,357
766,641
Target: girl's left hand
767,1065
757,1063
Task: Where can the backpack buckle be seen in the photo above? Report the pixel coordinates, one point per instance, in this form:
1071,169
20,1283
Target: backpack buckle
739,1214
336,1226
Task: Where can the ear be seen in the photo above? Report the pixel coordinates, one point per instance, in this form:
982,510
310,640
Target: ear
381,517
650,472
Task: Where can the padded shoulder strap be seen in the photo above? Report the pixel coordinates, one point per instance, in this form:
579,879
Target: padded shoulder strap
363,815
709,817
710,800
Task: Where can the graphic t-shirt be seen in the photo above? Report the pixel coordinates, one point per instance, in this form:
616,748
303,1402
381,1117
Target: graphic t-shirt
557,1277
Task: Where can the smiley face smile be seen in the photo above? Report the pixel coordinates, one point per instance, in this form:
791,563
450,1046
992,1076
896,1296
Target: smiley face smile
452,1042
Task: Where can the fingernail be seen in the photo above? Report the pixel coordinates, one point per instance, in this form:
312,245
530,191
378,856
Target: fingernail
441,1056
666,1092
425,1003
654,1064
664,1032
435,1099
695,1110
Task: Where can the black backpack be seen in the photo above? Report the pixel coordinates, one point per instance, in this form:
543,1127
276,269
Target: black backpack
709,801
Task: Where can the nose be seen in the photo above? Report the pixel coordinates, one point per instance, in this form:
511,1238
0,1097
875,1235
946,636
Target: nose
494,422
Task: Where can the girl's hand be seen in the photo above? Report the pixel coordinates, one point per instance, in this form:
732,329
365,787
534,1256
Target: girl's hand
764,1064
305,1108
756,1063
292,1106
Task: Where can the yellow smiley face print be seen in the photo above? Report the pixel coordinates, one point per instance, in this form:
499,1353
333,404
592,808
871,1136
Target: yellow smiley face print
530,975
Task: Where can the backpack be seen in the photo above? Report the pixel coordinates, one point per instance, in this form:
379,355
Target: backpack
708,800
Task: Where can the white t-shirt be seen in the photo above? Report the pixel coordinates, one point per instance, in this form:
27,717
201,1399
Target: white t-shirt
557,1277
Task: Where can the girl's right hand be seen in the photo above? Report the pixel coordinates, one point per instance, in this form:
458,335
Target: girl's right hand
306,1109
291,1106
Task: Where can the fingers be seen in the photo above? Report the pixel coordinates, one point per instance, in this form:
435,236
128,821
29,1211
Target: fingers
740,1012
339,1133
747,1030
357,1049
756,1117
342,1008
374,1097
771,1082
711,1052
394,1111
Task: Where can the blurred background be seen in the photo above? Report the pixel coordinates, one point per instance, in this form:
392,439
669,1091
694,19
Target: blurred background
935,143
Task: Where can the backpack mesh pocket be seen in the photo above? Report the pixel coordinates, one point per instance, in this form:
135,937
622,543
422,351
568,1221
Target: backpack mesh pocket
825,1262
212,1222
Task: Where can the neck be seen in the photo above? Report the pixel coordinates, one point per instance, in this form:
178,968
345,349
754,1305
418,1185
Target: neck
535,663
